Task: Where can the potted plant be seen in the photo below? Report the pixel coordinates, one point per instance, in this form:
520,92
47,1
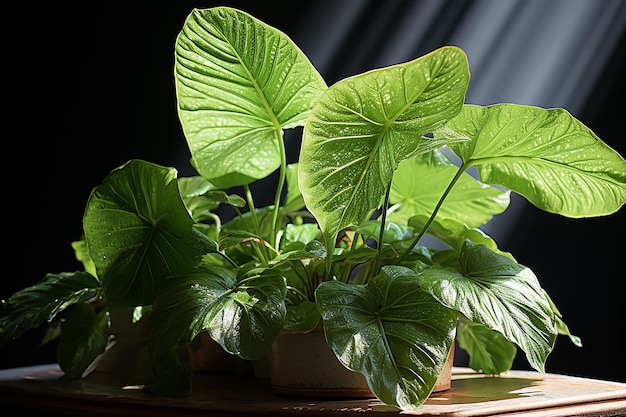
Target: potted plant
383,162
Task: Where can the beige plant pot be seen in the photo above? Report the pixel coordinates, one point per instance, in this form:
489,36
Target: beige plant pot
304,365
128,341
127,350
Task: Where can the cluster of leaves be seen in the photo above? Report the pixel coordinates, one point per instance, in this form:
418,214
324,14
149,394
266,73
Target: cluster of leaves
342,242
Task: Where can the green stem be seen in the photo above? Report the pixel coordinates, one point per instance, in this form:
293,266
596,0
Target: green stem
301,296
218,222
230,261
462,169
250,200
297,270
255,220
381,234
330,249
279,187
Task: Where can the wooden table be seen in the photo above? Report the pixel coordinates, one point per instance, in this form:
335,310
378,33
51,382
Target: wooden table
515,394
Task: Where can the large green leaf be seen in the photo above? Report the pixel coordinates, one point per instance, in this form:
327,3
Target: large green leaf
501,294
362,127
239,82
390,330
545,155
244,315
419,183
32,306
139,232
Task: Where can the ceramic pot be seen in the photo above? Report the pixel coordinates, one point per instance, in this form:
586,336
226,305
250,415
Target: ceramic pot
127,342
444,382
304,365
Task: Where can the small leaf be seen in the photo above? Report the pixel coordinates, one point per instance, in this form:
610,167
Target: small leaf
220,197
454,233
238,83
82,254
547,156
191,190
194,186
241,237
390,330
245,223
302,233
302,317
393,231
561,326
489,352
362,127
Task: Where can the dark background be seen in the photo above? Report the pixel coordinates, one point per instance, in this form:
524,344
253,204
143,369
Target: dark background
86,89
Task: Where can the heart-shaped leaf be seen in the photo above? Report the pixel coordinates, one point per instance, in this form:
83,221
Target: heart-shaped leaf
419,183
362,127
139,232
390,330
501,294
244,315
545,155
298,233
239,82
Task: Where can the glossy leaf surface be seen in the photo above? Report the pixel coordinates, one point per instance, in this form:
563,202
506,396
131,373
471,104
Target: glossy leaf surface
239,82
139,232
393,332
243,315
545,155
362,127
501,294
37,304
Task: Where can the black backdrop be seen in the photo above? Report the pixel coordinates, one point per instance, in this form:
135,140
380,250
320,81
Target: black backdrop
86,89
